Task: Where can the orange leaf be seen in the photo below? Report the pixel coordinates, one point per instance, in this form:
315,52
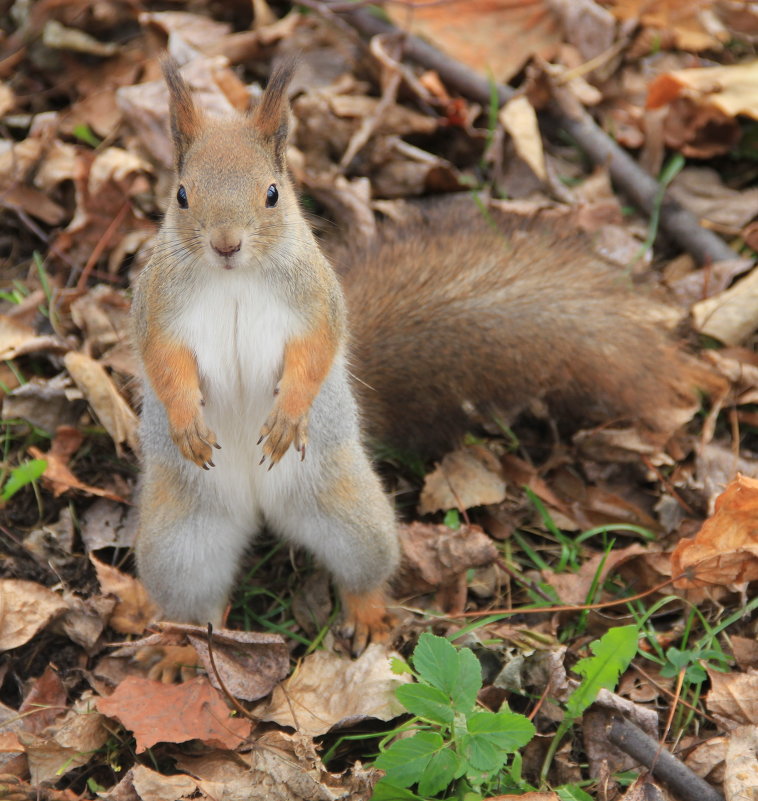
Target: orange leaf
725,550
157,712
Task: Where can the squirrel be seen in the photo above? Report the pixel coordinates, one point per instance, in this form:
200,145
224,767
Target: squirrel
257,403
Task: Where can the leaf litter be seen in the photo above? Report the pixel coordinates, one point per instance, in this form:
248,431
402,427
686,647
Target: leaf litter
85,162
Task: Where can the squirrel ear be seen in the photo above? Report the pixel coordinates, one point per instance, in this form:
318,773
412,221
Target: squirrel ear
270,116
185,118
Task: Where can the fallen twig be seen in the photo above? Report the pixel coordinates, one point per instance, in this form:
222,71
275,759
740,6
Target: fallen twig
640,187
664,766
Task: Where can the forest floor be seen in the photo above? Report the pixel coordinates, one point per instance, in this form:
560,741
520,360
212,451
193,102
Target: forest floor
600,579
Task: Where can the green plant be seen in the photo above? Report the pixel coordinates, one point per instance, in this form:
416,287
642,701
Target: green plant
453,738
612,655
24,474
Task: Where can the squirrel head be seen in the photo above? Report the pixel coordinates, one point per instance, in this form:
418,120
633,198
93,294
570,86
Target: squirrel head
232,202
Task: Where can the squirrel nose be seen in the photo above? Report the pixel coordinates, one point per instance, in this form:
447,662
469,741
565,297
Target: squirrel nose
226,249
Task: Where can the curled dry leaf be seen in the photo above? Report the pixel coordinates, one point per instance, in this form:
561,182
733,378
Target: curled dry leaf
435,555
17,339
519,118
732,89
106,401
134,609
463,479
358,689
57,474
725,550
250,664
25,609
157,712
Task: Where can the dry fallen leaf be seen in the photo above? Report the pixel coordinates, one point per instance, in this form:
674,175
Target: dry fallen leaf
725,550
463,479
733,697
45,701
70,743
732,89
358,689
134,609
106,401
741,775
519,118
250,664
492,36
25,609
157,712
687,24
436,555
732,315
153,786
57,474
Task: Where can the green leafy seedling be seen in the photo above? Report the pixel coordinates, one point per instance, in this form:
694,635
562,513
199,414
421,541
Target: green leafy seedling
24,474
453,737
612,655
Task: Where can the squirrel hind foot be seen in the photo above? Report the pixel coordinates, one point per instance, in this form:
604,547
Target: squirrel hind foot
366,619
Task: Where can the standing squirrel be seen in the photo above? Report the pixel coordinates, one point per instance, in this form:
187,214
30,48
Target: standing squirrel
249,415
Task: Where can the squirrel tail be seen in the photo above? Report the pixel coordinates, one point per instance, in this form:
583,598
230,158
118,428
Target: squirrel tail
459,308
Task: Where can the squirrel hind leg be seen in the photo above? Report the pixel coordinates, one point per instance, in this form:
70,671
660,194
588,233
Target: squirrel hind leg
188,549
347,522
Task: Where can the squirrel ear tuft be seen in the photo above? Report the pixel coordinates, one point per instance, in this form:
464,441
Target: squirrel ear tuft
185,118
271,115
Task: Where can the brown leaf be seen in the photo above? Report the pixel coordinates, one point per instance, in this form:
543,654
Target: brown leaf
17,339
157,712
741,776
496,36
135,609
463,479
358,689
435,555
734,696
72,743
725,550
45,701
106,401
251,664
731,316
106,524
732,89
153,786
25,609
685,23
57,474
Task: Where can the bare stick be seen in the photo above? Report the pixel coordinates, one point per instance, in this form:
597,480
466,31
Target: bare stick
640,187
674,774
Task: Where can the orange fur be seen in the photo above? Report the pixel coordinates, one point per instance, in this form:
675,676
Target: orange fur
366,617
172,371
307,361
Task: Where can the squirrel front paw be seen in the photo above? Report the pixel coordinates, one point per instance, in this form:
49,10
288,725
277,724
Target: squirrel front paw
195,441
280,431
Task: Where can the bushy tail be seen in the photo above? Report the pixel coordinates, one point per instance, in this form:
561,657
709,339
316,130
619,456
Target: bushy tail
459,308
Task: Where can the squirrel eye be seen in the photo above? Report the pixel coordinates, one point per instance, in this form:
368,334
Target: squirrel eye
272,195
181,198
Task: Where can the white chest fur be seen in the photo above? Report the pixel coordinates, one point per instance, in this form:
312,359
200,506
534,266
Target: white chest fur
237,328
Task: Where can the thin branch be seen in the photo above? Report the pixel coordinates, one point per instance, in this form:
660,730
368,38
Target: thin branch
664,766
